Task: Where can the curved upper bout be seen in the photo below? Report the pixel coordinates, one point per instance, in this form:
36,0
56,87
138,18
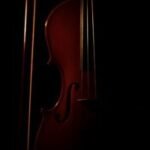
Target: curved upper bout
62,27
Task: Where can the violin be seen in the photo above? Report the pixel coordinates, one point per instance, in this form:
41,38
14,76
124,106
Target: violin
70,39
69,33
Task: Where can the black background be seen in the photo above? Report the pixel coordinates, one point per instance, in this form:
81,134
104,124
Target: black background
120,42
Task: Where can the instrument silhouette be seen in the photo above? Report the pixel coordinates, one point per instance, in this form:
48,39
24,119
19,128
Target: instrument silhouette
69,34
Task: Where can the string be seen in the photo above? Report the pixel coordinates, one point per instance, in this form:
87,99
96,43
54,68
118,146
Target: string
31,76
81,41
87,46
93,46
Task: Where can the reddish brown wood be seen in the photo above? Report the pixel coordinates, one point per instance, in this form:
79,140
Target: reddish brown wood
68,124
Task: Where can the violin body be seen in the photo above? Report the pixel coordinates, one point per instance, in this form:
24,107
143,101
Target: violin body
77,132
70,124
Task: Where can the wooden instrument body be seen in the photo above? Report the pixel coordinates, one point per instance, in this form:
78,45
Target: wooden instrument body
69,124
